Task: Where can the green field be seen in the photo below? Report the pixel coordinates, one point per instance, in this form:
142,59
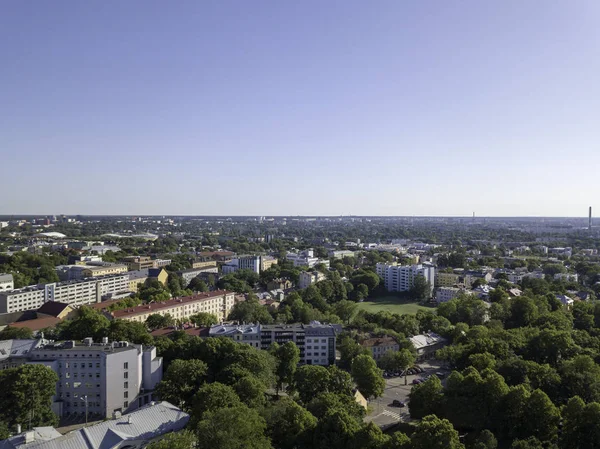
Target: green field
391,304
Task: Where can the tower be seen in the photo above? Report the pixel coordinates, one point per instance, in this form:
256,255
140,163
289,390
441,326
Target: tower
590,219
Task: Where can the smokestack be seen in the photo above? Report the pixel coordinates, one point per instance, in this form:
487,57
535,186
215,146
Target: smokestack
590,222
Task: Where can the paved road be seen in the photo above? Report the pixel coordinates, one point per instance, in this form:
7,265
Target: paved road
383,413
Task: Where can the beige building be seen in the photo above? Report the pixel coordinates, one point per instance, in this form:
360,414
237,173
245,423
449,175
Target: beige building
104,270
135,263
204,263
218,303
447,279
381,345
310,277
267,262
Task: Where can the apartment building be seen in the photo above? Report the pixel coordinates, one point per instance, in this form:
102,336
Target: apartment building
379,346
109,377
79,271
135,263
445,294
16,352
6,282
218,303
305,258
188,275
253,263
310,277
448,279
204,263
340,254
246,333
75,293
400,278
137,278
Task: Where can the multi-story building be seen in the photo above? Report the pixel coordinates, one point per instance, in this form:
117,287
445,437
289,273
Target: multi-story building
6,282
243,333
267,262
218,256
566,277
448,279
78,271
204,263
340,254
381,345
75,293
253,263
279,284
305,258
310,277
135,263
137,278
400,278
188,275
445,294
16,352
219,303
109,377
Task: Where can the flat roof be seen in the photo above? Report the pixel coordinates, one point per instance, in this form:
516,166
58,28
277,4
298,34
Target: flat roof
149,308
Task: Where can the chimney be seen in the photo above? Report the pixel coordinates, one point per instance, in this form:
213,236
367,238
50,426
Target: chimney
129,419
18,429
590,222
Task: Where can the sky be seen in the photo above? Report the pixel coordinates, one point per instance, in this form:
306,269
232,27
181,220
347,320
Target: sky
310,107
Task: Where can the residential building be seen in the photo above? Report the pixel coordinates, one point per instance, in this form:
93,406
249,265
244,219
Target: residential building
448,279
400,278
427,344
218,256
380,345
566,277
160,274
55,309
202,264
6,282
565,301
340,254
137,278
219,303
304,258
75,293
243,333
110,377
79,271
472,275
132,431
135,263
310,277
252,263
360,399
568,251
16,352
267,262
445,294
279,284
192,273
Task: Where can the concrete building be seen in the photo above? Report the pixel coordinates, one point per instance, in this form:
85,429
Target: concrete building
310,277
448,279
381,345
16,352
192,273
427,344
79,271
219,303
244,333
135,263
445,294
566,277
132,431
303,258
202,264
6,282
340,254
137,278
252,263
267,262
74,293
400,278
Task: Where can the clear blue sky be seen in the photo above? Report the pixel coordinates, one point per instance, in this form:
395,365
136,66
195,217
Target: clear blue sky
304,108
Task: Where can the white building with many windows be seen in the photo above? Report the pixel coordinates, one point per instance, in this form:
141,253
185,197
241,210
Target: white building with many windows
307,278
400,278
6,282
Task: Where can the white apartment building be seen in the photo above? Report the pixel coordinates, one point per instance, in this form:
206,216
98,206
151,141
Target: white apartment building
445,294
341,253
253,263
75,293
219,303
306,258
6,282
117,377
310,277
566,277
400,278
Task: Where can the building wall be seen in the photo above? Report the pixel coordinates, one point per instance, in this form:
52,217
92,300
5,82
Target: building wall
308,278
447,279
400,278
445,294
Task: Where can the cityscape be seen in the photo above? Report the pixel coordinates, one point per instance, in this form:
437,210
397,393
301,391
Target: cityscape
299,225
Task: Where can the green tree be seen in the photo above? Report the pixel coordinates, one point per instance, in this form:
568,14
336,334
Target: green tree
310,380
421,289
396,360
289,425
426,398
349,349
250,311
345,310
197,285
177,440
236,427
251,391
181,381
212,397
368,377
433,433
529,443
16,333
26,395
325,403
88,323
204,319
132,331
287,358
158,321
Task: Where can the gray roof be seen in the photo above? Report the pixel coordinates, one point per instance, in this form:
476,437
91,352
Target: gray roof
225,330
17,348
145,424
6,277
40,434
424,340
138,274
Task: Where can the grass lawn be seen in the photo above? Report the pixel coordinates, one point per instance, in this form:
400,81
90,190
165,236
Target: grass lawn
391,304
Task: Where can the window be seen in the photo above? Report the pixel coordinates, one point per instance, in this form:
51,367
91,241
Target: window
125,375
126,365
125,384
126,394
125,404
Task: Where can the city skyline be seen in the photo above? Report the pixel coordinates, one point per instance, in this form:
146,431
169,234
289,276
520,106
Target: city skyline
318,108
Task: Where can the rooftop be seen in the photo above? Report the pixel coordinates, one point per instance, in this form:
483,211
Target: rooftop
424,340
53,308
37,324
223,329
138,274
146,308
71,345
379,341
17,348
6,277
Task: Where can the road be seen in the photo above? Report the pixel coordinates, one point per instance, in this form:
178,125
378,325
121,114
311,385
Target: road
383,413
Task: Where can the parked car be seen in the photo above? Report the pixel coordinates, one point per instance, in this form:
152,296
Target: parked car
397,403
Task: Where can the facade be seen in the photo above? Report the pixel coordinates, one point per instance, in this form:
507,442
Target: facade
160,274
445,294
443,279
132,431
245,333
279,284
303,258
137,278
400,278
6,282
566,277
16,352
427,344
340,254
192,273
135,263
381,345
267,262
252,263
219,303
310,277
202,264
75,293
110,377
79,271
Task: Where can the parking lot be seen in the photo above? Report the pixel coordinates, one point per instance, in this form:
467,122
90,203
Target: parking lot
383,413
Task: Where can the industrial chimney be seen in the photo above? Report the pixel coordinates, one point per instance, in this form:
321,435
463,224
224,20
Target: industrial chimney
590,222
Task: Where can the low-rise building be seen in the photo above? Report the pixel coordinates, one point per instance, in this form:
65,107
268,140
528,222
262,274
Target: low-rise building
310,277
219,303
340,253
192,273
427,344
243,333
380,345
279,284
55,309
6,282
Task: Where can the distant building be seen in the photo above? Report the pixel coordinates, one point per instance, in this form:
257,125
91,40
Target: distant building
267,262
202,264
144,262
565,301
340,254
137,278
448,279
219,303
6,282
566,277
400,278
218,256
192,273
279,284
256,264
310,277
380,345
132,431
427,344
305,258
445,294
244,333
160,274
